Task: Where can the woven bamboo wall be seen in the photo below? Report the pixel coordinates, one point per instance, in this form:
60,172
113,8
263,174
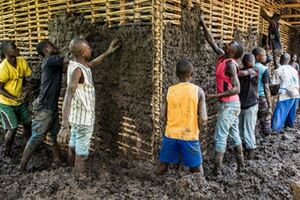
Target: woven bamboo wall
223,16
26,21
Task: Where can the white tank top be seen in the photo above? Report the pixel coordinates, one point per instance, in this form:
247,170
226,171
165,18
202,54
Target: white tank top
83,102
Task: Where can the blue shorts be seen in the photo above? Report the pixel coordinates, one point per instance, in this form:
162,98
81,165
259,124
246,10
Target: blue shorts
284,114
227,126
80,139
187,152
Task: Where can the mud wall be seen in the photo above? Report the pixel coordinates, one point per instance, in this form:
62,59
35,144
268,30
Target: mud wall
187,41
294,43
123,82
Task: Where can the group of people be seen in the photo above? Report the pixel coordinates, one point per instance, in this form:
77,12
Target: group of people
78,115
243,94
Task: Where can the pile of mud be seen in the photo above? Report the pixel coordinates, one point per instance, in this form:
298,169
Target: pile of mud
268,176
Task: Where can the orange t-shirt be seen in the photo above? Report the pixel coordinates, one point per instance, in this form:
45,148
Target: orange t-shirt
182,112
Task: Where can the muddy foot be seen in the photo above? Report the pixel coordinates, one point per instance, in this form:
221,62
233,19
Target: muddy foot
20,168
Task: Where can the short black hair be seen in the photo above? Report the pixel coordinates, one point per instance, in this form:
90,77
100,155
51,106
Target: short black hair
276,16
75,45
239,51
258,51
294,54
247,58
40,47
3,47
183,68
285,58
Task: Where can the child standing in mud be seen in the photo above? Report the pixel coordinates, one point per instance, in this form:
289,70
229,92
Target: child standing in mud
45,106
79,102
248,77
286,107
185,112
264,93
13,110
228,88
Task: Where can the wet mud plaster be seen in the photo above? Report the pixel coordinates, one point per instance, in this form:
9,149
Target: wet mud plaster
187,41
268,176
294,43
123,82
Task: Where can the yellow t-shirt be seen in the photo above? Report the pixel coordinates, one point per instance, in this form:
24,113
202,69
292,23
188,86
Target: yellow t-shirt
182,112
13,79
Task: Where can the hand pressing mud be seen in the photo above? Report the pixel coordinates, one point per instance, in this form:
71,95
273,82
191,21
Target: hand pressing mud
114,45
63,135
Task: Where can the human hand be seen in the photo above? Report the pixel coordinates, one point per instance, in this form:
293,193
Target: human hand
210,96
63,135
252,72
114,45
20,99
201,19
270,110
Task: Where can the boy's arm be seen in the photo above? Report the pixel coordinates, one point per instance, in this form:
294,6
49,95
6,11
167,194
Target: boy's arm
164,110
265,15
69,95
202,114
66,64
209,38
266,81
114,45
232,72
5,93
247,72
64,131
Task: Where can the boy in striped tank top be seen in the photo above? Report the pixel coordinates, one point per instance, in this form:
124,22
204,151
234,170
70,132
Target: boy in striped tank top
185,112
79,102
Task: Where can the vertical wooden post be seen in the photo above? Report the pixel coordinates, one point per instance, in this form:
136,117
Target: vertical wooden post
122,12
68,5
29,29
14,21
49,10
93,11
137,14
157,27
38,24
108,13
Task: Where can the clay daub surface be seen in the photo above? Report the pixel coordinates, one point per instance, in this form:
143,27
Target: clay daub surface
123,81
268,176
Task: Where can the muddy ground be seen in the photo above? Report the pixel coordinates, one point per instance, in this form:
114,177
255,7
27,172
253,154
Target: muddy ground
268,176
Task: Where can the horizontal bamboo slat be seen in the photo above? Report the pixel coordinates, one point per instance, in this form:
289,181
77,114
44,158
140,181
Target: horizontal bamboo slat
29,18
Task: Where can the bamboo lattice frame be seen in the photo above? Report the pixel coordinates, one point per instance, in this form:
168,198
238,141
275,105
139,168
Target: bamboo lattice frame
26,22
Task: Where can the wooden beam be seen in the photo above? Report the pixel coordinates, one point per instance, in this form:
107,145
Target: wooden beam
290,5
290,16
295,23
